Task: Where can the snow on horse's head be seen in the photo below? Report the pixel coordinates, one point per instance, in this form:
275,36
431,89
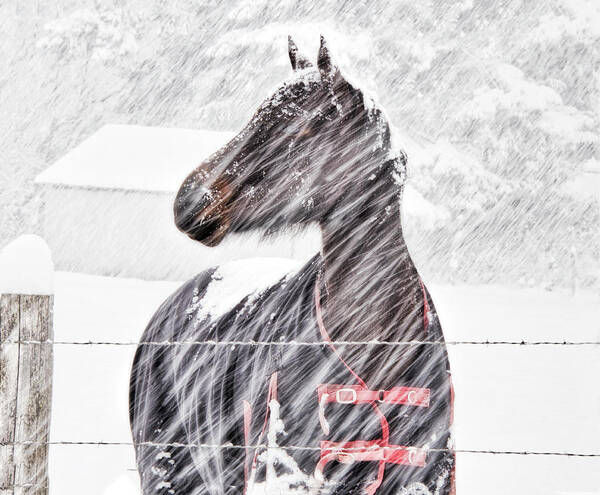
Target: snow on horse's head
310,153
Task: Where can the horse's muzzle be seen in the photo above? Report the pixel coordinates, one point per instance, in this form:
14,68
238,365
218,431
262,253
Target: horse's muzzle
200,213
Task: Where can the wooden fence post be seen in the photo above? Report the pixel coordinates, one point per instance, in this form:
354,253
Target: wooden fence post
26,358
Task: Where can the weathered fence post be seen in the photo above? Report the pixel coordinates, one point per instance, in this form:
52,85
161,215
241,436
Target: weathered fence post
26,355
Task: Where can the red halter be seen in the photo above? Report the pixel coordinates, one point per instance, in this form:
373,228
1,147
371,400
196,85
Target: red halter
372,450
358,450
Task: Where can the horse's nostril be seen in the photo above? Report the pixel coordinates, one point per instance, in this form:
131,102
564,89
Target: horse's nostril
199,216
200,211
188,210
205,230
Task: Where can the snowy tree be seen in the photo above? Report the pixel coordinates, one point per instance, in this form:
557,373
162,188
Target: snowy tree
500,97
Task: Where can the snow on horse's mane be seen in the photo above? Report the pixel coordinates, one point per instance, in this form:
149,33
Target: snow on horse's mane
233,281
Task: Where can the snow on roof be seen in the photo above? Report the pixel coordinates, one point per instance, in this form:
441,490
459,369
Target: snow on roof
26,267
134,157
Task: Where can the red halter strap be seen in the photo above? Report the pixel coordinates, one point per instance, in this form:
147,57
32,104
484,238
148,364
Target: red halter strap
372,450
356,394
359,450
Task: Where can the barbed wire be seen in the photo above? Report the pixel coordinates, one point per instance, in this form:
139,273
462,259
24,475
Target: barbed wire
295,447
40,486
167,343
290,343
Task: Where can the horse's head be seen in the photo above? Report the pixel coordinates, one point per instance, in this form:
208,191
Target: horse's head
306,153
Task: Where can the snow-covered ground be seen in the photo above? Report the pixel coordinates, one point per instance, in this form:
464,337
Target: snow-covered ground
516,398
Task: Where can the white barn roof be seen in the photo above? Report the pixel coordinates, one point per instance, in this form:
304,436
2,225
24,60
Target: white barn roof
131,157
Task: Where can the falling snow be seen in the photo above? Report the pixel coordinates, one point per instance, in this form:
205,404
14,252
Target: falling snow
512,87
453,142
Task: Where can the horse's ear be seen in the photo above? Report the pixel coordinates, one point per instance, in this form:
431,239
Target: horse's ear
326,66
298,60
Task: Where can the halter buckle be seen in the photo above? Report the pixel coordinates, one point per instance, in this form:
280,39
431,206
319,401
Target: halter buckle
351,391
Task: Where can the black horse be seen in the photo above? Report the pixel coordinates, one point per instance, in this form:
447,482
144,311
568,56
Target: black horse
335,380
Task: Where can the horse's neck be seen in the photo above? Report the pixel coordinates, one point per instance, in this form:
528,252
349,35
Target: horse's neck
373,289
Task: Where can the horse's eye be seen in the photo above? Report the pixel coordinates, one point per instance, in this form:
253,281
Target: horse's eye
306,131
293,130
298,128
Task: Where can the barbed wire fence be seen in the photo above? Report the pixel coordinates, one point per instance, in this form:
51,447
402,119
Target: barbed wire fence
255,343
44,444
252,343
